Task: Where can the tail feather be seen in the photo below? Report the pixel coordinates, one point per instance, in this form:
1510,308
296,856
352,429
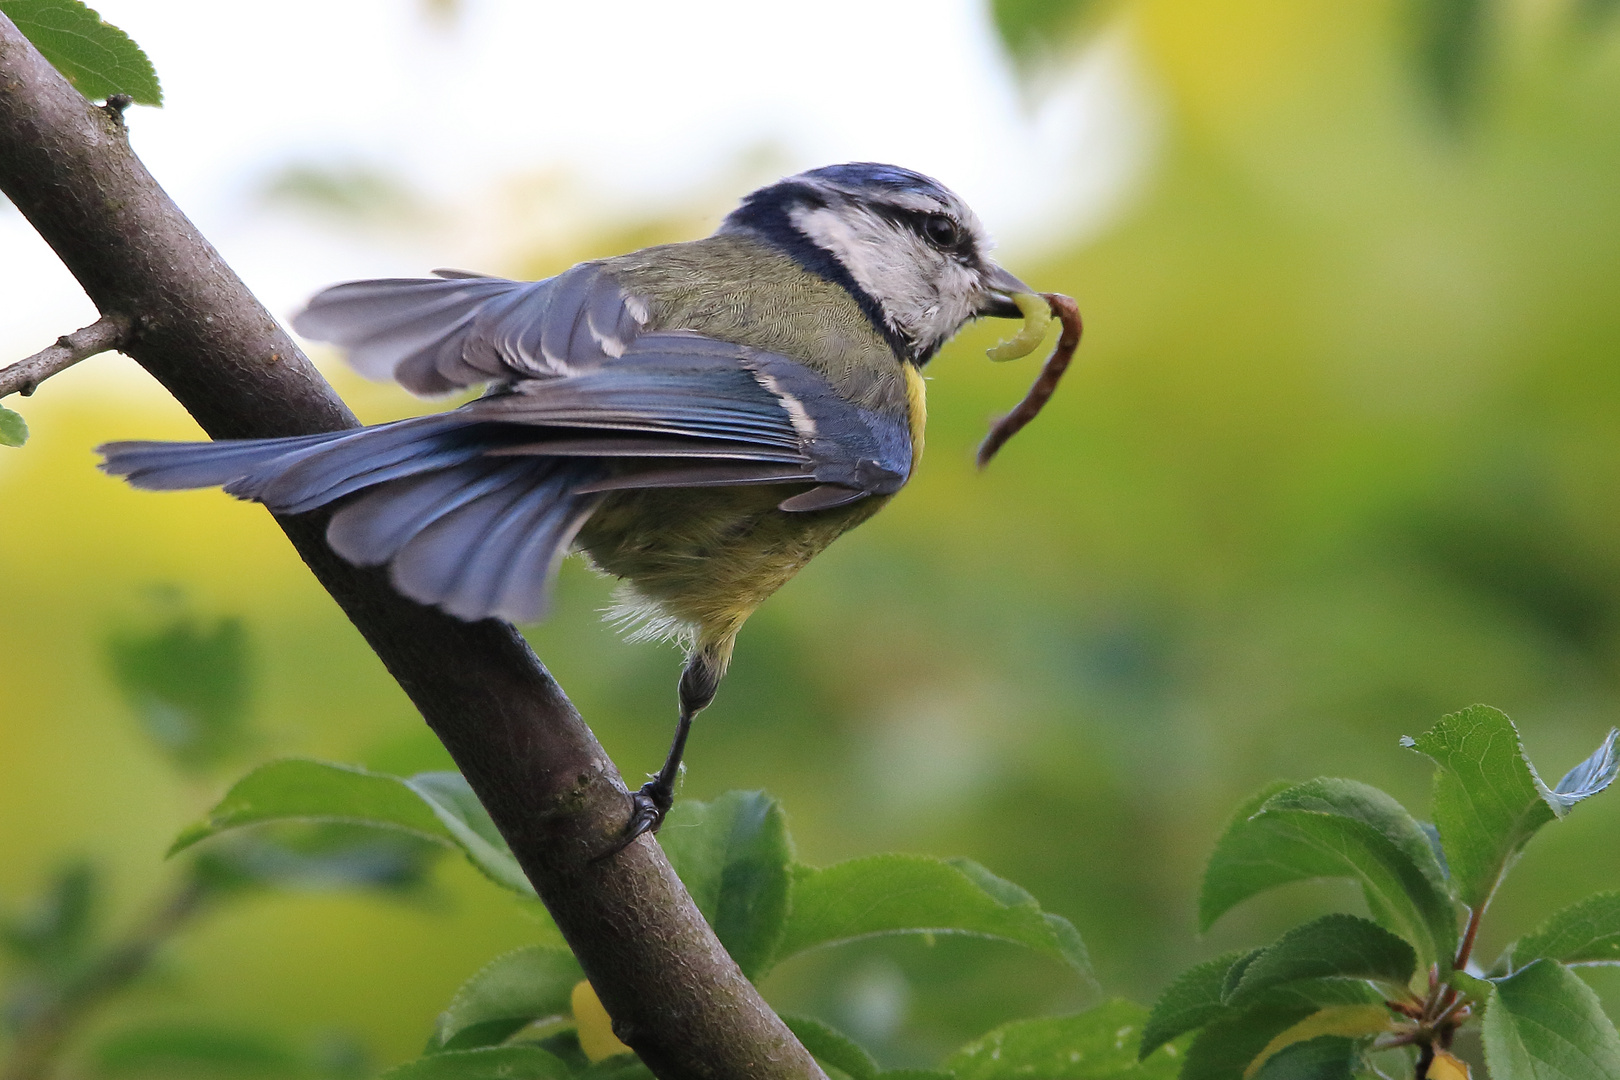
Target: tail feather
313,476
371,529
170,466
496,554
474,535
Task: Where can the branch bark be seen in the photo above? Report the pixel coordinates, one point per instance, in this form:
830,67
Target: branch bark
676,997
24,377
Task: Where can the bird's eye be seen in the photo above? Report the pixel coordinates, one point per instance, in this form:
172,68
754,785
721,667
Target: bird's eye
942,231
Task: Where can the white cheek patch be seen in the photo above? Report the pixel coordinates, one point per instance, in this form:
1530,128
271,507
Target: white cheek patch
847,237
890,263
925,294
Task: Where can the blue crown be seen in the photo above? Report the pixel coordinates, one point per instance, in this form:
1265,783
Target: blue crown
872,174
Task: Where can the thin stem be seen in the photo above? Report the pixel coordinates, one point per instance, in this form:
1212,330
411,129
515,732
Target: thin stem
1466,949
1425,1059
34,1051
24,377
1399,1039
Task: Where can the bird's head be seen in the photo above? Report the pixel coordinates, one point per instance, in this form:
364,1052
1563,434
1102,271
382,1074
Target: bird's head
908,248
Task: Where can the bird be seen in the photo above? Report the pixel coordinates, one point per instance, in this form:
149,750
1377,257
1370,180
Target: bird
698,419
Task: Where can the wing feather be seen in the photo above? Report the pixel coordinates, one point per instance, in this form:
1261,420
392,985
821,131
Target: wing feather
411,329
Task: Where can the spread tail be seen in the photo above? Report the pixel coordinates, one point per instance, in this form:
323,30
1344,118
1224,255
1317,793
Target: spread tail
474,535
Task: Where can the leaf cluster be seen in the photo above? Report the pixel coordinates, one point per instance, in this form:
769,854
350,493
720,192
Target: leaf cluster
189,683
1326,997
530,1012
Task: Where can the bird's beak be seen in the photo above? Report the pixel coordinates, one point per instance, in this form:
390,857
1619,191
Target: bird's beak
999,289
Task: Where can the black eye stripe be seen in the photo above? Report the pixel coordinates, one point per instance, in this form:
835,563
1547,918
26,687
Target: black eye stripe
918,221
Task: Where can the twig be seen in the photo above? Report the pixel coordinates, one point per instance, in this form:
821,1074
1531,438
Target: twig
1425,1059
24,377
674,994
1390,1040
1466,949
34,1050
1068,312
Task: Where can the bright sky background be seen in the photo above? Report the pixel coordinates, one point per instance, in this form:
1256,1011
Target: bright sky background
641,102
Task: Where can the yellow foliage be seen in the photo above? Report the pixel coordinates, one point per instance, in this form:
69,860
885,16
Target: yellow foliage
595,1026
1447,1067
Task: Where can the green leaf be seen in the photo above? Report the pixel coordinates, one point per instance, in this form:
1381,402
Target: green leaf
196,1051
94,56
1432,835
1098,1043
1544,1023
507,994
1469,986
915,894
732,855
1319,994
1488,800
1192,1000
435,806
1223,1049
13,428
1326,1057
485,1063
189,685
1332,947
1339,1021
832,1047
452,801
1584,933
1239,866
1235,973
1336,828
318,857
1228,1045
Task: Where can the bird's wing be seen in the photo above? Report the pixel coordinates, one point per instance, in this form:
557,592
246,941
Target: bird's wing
436,334
573,361
679,409
473,508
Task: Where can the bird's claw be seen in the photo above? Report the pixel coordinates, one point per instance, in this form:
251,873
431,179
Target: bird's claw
647,809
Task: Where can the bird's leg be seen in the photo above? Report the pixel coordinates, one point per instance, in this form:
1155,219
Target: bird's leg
699,680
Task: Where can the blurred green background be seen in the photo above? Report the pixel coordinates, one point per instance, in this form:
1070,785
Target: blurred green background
1340,453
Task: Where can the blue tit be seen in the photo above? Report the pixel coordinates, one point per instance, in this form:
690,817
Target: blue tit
698,419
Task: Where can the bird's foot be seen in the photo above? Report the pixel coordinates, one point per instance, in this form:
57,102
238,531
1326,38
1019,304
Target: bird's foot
647,809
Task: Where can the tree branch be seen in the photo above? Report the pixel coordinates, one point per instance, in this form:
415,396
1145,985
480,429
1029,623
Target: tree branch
676,997
24,377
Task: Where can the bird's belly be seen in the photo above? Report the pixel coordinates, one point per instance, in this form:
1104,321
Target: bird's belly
707,557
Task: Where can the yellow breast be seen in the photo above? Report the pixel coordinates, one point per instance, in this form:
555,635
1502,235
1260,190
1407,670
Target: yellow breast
916,410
